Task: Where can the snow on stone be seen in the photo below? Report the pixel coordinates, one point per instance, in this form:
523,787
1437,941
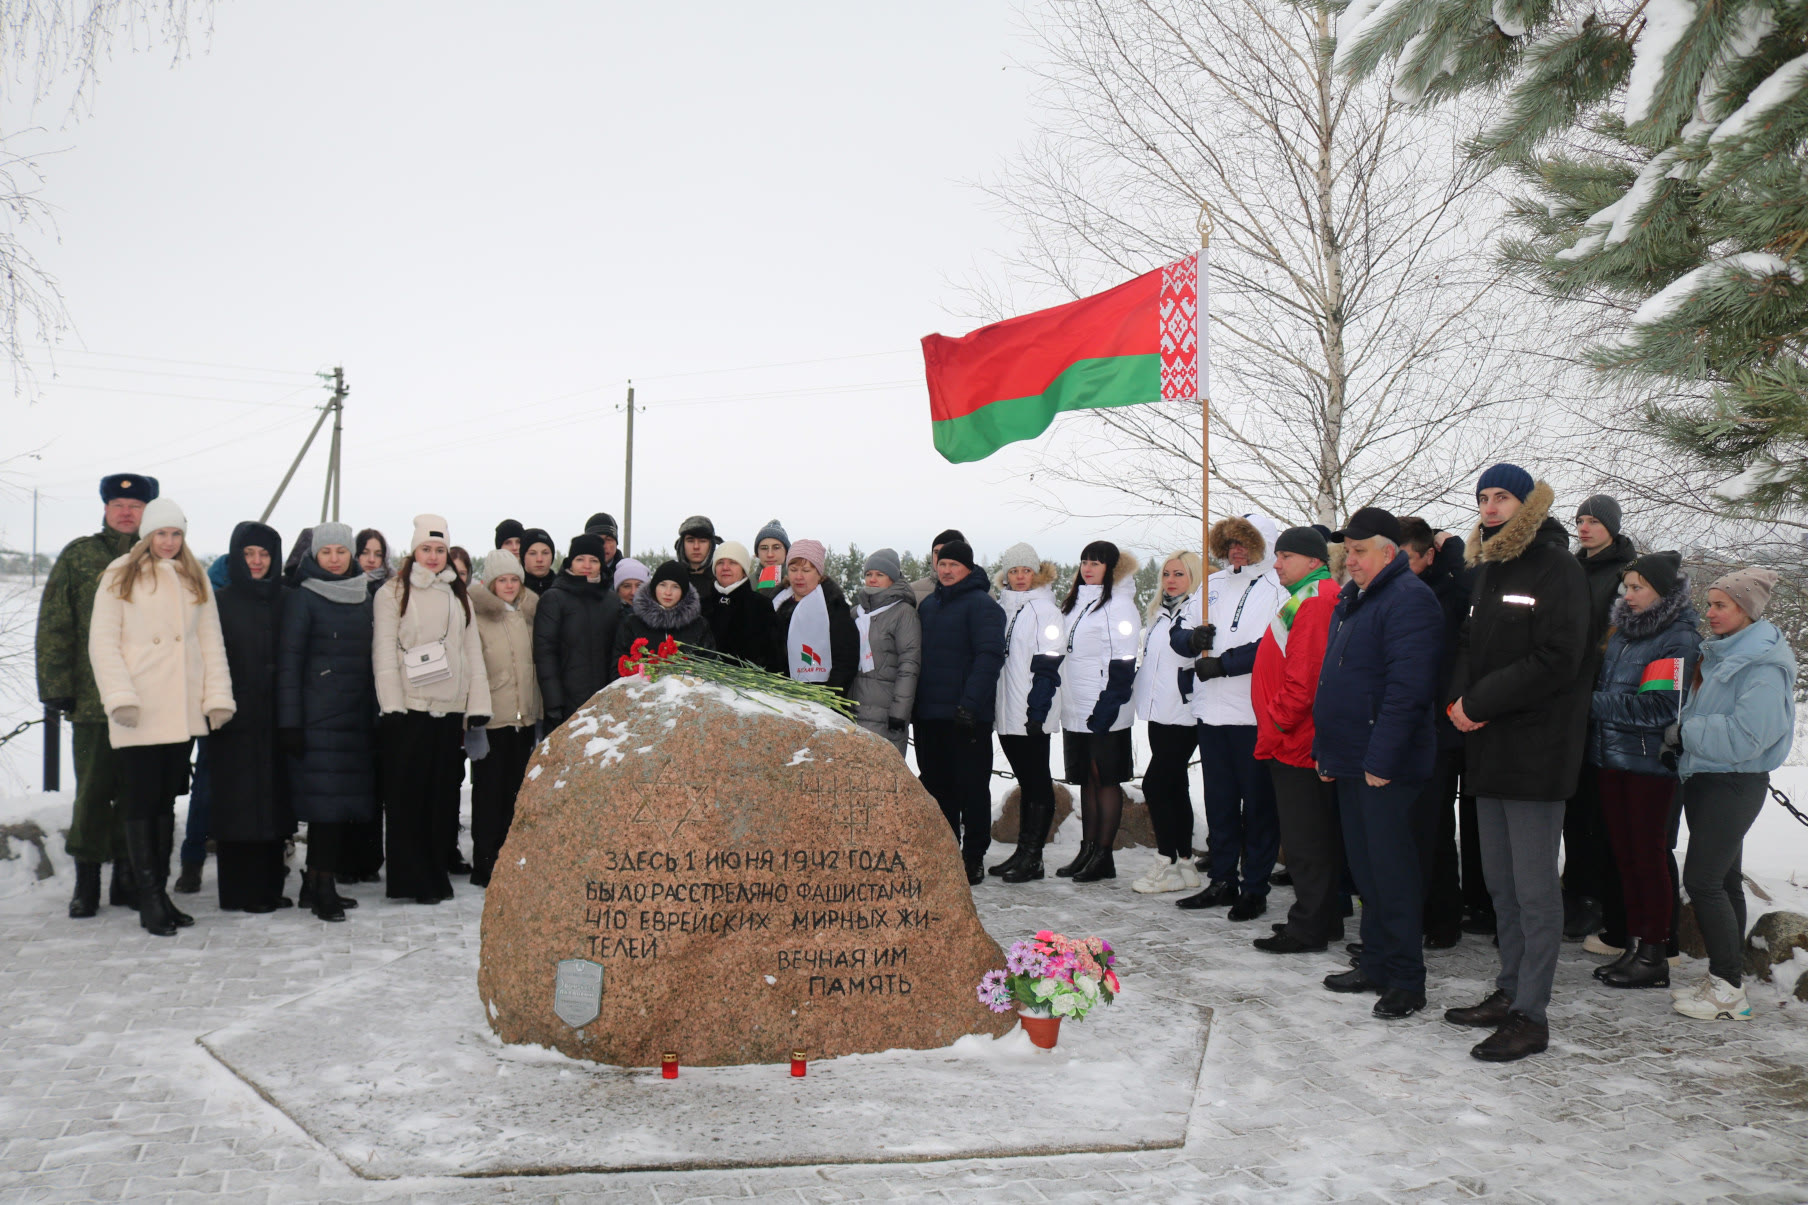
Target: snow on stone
1666,21
1754,263
1783,84
800,757
535,772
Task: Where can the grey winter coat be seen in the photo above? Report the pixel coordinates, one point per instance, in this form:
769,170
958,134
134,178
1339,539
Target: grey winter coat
1626,722
888,691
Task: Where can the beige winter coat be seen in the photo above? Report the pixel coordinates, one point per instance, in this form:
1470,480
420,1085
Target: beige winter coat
160,653
434,614
508,656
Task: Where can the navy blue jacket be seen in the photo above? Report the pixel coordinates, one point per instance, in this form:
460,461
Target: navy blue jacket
963,650
326,687
1626,725
1379,687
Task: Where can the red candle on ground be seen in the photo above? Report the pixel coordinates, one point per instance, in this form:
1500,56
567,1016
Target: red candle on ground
797,1062
668,1065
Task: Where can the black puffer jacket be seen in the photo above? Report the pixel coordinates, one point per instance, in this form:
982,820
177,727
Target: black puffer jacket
647,620
963,651
250,780
1451,581
1626,722
574,643
326,687
1520,664
741,621
844,638
1605,571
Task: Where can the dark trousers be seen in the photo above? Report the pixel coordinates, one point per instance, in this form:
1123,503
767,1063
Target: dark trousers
1239,807
96,829
1588,862
1476,900
1637,808
1165,787
363,855
420,766
495,781
1434,828
1028,757
1721,809
326,845
1384,857
1310,829
955,766
200,809
1520,839
251,874
151,776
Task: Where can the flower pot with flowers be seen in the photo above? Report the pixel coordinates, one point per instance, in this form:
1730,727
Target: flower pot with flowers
1049,977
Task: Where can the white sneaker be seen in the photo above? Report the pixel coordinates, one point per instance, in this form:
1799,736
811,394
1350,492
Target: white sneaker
1148,878
1719,1001
1186,876
1594,945
1161,879
1694,988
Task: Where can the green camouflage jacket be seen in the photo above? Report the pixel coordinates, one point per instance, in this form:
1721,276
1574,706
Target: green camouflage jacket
64,613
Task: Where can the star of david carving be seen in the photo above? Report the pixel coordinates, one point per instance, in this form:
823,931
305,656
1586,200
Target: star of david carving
663,790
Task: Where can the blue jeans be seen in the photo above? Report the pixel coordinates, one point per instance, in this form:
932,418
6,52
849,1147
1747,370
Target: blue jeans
1384,856
1242,825
200,809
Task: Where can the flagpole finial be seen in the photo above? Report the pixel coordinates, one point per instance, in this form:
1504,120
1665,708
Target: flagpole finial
1205,225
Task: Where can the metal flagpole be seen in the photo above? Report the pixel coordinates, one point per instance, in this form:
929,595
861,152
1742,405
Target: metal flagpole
627,514
1205,421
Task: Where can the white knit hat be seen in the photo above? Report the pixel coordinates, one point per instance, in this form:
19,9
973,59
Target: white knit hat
734,550
160,513
501,563
1020,556
429,527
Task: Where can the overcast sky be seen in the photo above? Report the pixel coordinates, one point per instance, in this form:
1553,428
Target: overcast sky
493,217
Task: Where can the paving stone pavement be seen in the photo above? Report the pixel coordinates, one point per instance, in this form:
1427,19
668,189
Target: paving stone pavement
1304,1096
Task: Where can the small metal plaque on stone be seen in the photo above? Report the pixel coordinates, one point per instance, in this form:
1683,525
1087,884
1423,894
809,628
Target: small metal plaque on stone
578,992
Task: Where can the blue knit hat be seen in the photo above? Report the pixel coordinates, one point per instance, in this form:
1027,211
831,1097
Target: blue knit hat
1509,477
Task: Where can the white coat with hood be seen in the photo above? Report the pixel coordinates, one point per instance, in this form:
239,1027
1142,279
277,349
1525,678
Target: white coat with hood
1100,632
1034,627
161,653
1243,603
434,613
1158,680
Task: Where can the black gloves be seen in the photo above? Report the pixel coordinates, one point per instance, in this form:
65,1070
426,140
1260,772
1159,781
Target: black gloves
965,719
552,719
1203,637
476,721
894,724
1032,727
291,741
1207,668
1672,749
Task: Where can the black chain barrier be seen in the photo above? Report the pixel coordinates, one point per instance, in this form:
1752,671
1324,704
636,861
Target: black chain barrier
22,728
1788,806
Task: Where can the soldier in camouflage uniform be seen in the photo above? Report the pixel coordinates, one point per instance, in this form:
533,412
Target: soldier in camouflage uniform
66,684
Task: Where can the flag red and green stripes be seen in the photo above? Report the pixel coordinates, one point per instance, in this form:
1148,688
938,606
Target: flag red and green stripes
1664,674
809,656
1144,341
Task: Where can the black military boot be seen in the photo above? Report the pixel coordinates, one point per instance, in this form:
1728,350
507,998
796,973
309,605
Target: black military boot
1649,968
1102,866
323,898
1628,954
1031,833
154,907
166,845
86,900
189,881
1087,849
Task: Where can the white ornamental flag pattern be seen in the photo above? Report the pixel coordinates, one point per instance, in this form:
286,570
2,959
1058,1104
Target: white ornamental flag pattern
1185,347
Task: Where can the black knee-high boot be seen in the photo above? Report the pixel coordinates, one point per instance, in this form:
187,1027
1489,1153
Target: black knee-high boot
1089,822
153,905
166,845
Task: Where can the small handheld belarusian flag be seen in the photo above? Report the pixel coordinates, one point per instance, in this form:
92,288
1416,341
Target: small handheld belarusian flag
1144,341
1663,674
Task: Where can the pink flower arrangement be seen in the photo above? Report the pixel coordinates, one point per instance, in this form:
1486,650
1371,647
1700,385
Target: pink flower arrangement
1052,974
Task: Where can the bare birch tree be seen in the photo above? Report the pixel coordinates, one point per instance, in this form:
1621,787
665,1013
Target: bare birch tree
1362,349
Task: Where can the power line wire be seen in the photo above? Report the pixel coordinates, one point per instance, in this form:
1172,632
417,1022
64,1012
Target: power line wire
114,355
188,397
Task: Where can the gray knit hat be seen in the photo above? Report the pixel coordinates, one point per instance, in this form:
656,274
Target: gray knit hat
1603,510
1020,556
774,530
332,533
1750,587
885,561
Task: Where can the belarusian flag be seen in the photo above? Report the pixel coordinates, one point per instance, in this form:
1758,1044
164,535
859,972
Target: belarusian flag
1665,674
1144,341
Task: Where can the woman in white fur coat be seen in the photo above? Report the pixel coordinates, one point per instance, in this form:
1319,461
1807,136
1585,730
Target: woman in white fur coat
160,665
431,686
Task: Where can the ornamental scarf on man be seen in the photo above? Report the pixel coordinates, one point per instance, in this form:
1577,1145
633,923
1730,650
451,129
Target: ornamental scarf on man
1298,593
807,643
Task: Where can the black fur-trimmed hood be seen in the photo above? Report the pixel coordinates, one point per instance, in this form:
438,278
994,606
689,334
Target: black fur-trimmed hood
1519,533
1641,625
646,608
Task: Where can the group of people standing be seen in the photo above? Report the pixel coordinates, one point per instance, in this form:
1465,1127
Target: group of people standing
1349,705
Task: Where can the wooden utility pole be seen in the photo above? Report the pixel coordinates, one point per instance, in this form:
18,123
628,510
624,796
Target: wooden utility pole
627,513
335,407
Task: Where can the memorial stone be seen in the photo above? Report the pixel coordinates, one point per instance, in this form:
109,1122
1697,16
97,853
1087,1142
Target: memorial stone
730,877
